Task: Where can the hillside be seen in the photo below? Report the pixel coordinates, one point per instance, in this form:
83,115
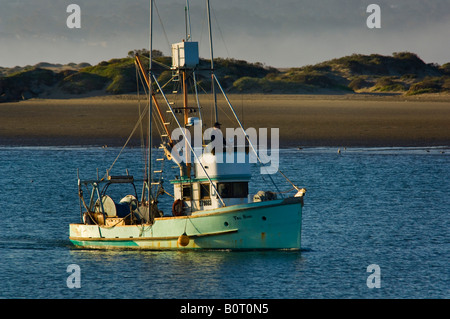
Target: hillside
401,73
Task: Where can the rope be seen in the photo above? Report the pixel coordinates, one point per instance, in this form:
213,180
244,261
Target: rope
293,186
220,31
139,103
157,62
168,193
283,192
126,143
162,26
139,123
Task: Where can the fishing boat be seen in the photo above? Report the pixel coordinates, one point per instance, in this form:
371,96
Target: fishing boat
211,206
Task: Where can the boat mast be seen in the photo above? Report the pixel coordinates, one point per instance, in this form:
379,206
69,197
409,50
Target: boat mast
150,112
212,61
184,88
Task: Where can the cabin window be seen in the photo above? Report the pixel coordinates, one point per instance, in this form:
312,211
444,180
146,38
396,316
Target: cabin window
204,191
233,190
187,192
240,190
224,190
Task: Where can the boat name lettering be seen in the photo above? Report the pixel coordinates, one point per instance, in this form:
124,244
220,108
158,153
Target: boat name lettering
243,217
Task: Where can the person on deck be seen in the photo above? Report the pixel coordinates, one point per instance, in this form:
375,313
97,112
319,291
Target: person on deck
216,131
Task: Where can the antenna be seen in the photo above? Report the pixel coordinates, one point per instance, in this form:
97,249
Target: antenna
187,17
150,115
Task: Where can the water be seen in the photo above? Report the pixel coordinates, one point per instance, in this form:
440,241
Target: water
383,206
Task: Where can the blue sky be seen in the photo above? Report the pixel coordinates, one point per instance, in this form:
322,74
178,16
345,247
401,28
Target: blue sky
282,33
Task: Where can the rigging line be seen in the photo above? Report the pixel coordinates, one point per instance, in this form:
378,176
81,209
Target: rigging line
144,153
189,143
162,26
224,112
167,193
156,62
245,134
142,82
220,31
286,191
128,140
168,81
160,124
143,139
139,105
197,98
203,26
202,88
294,186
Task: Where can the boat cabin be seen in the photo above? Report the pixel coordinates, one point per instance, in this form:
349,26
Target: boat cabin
229,183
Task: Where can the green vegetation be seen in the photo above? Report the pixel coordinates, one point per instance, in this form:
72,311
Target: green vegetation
357,73
359,83
117,75
26,84
389,84
430,85
265,85
401,73
82,82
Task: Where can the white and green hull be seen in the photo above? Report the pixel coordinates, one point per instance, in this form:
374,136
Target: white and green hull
260,225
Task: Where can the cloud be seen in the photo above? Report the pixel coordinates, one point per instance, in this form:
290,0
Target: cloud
283,33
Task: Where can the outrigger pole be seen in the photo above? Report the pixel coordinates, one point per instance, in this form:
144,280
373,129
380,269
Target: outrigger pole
138,62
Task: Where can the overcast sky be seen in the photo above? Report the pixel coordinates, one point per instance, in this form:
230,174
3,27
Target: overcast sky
281,33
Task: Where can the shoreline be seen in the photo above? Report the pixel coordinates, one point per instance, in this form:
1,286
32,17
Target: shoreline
352,120
58,141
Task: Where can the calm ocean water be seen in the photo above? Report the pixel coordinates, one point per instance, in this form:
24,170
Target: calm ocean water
383,206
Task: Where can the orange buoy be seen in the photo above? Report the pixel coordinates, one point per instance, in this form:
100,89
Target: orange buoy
183,240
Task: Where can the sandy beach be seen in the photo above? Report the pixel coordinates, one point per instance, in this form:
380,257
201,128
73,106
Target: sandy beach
303,120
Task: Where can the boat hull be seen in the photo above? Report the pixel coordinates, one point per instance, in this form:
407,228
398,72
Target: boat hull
261,225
